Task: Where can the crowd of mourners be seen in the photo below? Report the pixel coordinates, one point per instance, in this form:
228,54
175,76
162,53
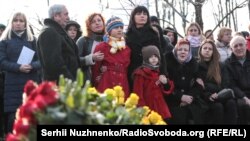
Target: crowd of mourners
197,79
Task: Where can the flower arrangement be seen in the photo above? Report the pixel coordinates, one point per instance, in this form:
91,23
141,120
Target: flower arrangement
72,103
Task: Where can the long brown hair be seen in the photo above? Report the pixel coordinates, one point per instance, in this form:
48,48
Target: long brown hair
214,71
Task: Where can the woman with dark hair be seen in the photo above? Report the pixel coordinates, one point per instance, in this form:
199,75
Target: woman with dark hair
171,34
86,44
139,34
164,41
214,76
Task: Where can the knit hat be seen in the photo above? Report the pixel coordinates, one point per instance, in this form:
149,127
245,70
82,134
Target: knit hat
154,19
72,23
148,51
2,26
113,22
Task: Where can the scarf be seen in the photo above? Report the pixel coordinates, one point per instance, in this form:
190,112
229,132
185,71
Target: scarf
115,43
195,41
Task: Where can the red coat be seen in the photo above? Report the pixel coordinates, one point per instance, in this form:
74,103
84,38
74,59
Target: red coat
116,73
149,93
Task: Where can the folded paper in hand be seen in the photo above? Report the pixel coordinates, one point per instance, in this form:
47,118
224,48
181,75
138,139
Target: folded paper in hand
25,56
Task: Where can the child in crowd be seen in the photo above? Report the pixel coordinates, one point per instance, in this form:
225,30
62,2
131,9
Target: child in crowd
74,30
112,70
149,85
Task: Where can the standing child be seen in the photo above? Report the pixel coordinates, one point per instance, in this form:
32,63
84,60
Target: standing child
112,70
149,85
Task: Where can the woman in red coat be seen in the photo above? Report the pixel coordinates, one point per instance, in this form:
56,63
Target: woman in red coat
112,70
149,85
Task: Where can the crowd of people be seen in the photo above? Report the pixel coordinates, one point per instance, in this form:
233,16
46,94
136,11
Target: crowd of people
193,80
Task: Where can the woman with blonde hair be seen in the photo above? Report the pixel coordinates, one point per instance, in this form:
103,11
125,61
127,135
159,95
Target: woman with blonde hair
195,37
222,43
17,37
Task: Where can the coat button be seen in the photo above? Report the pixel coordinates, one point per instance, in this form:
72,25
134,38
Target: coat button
183,78
182,90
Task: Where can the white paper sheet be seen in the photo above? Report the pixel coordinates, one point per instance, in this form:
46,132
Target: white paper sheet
25,56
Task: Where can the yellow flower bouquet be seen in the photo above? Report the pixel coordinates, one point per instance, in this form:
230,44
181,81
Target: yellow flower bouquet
75,103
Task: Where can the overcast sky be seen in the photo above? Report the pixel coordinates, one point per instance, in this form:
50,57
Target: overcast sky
80,9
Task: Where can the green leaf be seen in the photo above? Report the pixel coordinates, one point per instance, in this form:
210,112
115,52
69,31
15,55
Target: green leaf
79,78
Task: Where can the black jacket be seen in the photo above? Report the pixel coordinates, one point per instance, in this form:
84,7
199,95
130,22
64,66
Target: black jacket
58,53
239,75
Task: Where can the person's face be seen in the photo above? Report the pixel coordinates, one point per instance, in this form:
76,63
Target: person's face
211,36
18,24
171,36
63,17
141,19
239,49
97,25
207,51
154,23
1,31
153,60
227,36
117,32
182,52
72,32
193,31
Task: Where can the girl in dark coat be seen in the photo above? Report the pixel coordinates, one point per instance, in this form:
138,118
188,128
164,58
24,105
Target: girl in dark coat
140,33
185,102
149,85
215,79
15,38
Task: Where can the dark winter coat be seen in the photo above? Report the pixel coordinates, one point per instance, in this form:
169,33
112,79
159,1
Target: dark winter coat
211,86
184,77
58,53
138,39
14,79
239,75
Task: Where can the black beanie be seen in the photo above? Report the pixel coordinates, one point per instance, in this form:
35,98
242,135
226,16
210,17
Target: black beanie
148,51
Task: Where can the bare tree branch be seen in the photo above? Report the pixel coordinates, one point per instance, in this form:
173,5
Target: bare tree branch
124,7
182,16
243,4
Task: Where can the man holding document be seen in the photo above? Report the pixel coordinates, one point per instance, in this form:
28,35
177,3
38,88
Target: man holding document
19,61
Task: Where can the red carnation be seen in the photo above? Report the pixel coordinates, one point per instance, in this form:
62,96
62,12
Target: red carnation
27,110
29,87
21,127
11,137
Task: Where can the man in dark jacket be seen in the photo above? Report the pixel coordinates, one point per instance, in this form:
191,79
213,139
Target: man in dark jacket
238,66
57,51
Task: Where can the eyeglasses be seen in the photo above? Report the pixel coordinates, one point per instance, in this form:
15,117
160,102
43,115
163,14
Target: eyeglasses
238,45
193,30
